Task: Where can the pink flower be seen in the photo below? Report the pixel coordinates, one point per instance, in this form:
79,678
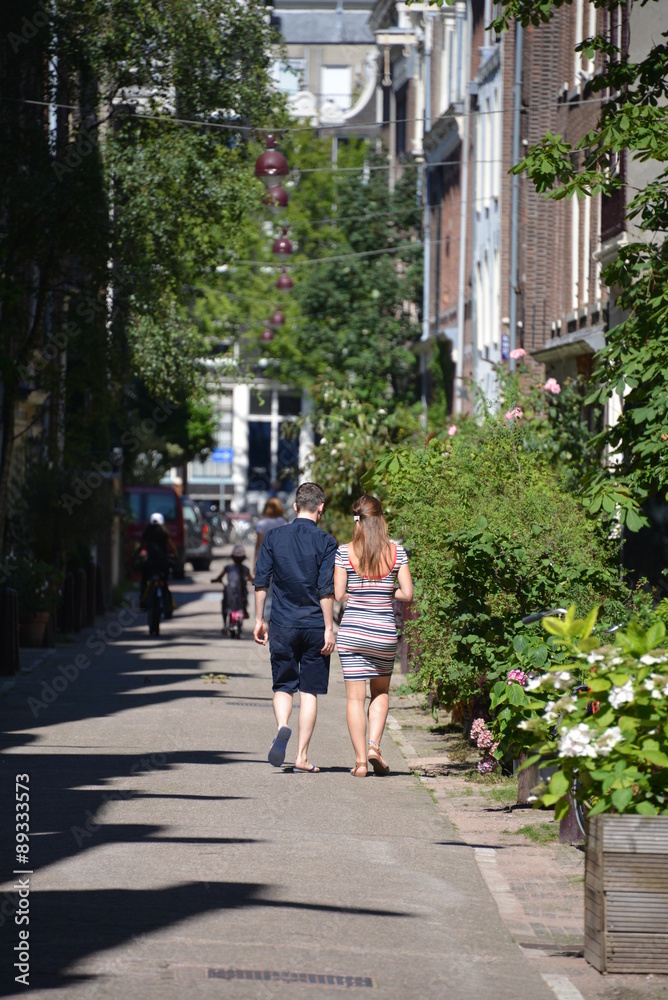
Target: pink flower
515,414
552,386
487,764
517,676
452,430
519,352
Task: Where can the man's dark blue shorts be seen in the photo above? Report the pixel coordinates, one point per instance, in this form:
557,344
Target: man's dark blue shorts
296,661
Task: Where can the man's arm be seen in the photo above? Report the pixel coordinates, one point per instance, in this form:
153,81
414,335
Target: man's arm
327,605
260,632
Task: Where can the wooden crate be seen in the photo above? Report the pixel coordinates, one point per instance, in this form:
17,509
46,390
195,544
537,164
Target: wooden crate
626,894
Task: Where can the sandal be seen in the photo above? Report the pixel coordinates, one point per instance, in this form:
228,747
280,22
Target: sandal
380,767
359,770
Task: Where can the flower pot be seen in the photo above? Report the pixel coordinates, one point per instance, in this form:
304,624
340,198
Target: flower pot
626,893
33,630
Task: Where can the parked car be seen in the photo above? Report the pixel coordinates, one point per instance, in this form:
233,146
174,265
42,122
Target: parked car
142,501
198,545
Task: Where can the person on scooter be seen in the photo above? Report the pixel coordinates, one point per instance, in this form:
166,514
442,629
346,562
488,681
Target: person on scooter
158,545
235,589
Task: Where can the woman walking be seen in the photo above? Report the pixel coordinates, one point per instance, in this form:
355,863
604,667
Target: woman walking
369,569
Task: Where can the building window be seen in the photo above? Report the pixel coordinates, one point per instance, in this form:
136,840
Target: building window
288,75
336,85
273,445
210,471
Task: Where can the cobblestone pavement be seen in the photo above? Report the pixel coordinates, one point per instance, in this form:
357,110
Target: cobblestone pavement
537,888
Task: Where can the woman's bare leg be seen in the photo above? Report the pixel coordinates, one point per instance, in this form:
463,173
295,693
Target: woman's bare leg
355,717
379,706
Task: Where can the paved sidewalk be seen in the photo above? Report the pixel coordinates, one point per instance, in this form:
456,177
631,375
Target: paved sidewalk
170,859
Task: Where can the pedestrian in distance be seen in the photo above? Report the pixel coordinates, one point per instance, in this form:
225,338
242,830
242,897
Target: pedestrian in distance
235,588
298,559
370,572
273,516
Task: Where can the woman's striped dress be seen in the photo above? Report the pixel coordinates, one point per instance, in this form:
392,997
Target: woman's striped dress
367,639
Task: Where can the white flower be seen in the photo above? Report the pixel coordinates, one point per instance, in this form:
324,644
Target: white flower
535,682
550,713
648,660
651,682
576,742
619,695
562,680
656,694
333,451
665,691
382,413
608,739
595,657
323,440
616,660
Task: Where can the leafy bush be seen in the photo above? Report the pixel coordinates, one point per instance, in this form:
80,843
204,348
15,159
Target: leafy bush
493,534
600,716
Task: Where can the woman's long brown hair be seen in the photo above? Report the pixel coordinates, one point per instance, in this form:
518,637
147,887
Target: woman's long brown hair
370,539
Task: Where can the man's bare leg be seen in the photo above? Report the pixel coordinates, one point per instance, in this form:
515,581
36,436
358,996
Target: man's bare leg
282,707
308,713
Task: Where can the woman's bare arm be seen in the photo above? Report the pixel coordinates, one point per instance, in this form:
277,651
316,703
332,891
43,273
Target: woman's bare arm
404,591
340,581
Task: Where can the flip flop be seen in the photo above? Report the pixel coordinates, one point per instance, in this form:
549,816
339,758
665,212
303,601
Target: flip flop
306,770
276,754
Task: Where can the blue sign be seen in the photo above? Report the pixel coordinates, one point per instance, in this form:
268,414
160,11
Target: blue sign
222,455
505,346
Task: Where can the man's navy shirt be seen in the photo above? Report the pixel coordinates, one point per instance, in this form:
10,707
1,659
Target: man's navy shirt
299,557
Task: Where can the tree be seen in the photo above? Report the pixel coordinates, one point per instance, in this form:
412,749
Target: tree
119,204
634,362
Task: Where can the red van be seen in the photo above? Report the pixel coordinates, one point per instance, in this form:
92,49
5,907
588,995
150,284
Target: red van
142,501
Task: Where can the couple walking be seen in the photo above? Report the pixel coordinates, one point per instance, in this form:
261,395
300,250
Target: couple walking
308,572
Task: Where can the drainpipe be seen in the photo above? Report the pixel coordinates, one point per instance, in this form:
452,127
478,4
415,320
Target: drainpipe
459,369
426,226
515,194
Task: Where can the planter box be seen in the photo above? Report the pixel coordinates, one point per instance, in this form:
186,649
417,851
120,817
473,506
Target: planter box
626,894
33,630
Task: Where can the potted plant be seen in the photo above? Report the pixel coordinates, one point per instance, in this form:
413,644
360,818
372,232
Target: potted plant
600,720
38,586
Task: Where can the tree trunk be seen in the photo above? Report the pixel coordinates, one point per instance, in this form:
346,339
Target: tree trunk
526,780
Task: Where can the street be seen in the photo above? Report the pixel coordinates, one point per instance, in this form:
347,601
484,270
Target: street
168,855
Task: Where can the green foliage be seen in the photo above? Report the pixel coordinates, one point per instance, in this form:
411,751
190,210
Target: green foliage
618,751
493,535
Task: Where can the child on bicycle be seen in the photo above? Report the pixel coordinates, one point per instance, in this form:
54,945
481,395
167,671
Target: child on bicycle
235,588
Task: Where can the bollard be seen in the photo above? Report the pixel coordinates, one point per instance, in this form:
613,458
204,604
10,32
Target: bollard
89,612
9,631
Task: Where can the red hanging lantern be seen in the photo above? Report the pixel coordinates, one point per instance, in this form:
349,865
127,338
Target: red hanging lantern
285,282
282,246
276,198
277,319
271,165
267,335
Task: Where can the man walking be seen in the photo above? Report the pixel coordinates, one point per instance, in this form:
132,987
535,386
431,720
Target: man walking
299,558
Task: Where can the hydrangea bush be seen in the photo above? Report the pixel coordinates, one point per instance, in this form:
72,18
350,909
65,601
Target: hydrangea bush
598,715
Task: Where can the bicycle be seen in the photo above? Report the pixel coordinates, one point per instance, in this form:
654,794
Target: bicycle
158,601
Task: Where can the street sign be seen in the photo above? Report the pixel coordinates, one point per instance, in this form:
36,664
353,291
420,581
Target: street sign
505,346
222,455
